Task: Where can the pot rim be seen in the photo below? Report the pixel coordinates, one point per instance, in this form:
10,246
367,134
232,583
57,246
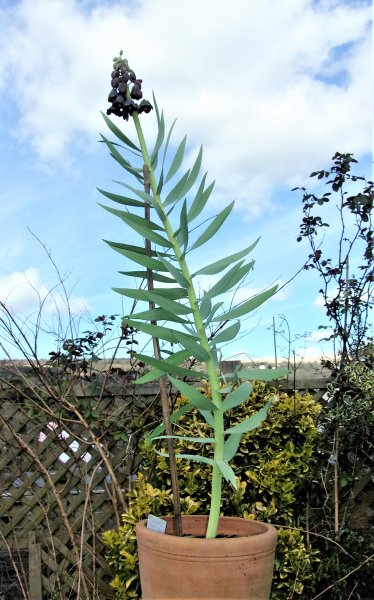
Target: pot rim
252,529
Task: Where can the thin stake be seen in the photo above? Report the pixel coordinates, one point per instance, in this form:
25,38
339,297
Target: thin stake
163,383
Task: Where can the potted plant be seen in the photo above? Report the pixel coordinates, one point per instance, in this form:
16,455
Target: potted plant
212,556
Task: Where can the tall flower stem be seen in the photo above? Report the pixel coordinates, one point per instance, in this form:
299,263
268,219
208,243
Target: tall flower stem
210,363
163,386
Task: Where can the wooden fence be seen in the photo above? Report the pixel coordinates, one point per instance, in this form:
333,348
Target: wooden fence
63,481
67,461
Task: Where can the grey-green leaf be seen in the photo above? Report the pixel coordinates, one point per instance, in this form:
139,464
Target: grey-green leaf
231,446
201,198
159,300
183,227
158,314
122,199
178,190
213,227
164,333
119,134
142,226
150,376
167,366
238,396
230,279
205,307
181,438
192,394
175,272
227,472
227,334
195,170
177,160
253,422
138,257
223,263
159,140
173,418
247,306
177,293
143,275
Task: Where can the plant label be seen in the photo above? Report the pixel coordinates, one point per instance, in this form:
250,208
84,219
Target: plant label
156,524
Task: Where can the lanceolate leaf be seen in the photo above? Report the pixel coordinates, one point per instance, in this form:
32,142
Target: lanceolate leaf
150,376
181,438
196,350
173,418
122,199
213,227
175,272
149,296
164,333
160,183
220,265
200,200
183,227
167,142
145,228
131,248
253,422
122,161
227,472
175,359
227,334
177,293
193,457
158,314
195,170
216,307
238,396
177,160
159,140
231,446
178,190
230,279
205,307
144,195
119,134
167,366
192,394
141,259
247,306
143,275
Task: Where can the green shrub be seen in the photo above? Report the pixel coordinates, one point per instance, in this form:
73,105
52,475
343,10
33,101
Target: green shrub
272,463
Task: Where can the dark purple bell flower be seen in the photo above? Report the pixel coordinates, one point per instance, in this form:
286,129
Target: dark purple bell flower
136,92
145,106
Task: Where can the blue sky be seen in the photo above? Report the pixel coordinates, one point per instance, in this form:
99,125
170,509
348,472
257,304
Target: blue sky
271,89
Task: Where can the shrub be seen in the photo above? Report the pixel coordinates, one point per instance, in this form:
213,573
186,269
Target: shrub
272,463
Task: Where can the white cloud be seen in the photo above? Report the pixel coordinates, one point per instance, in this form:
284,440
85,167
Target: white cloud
319,335
25,293
22,291
251,80
246,292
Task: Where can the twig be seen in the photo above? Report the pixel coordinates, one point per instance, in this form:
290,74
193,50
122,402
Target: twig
368,559
307,532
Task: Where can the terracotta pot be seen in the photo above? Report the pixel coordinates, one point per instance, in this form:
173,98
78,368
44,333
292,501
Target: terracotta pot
191,567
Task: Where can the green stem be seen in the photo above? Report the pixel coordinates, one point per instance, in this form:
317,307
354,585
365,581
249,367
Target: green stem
215,505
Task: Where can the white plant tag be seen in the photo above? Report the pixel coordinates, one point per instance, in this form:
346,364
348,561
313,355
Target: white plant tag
156,524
